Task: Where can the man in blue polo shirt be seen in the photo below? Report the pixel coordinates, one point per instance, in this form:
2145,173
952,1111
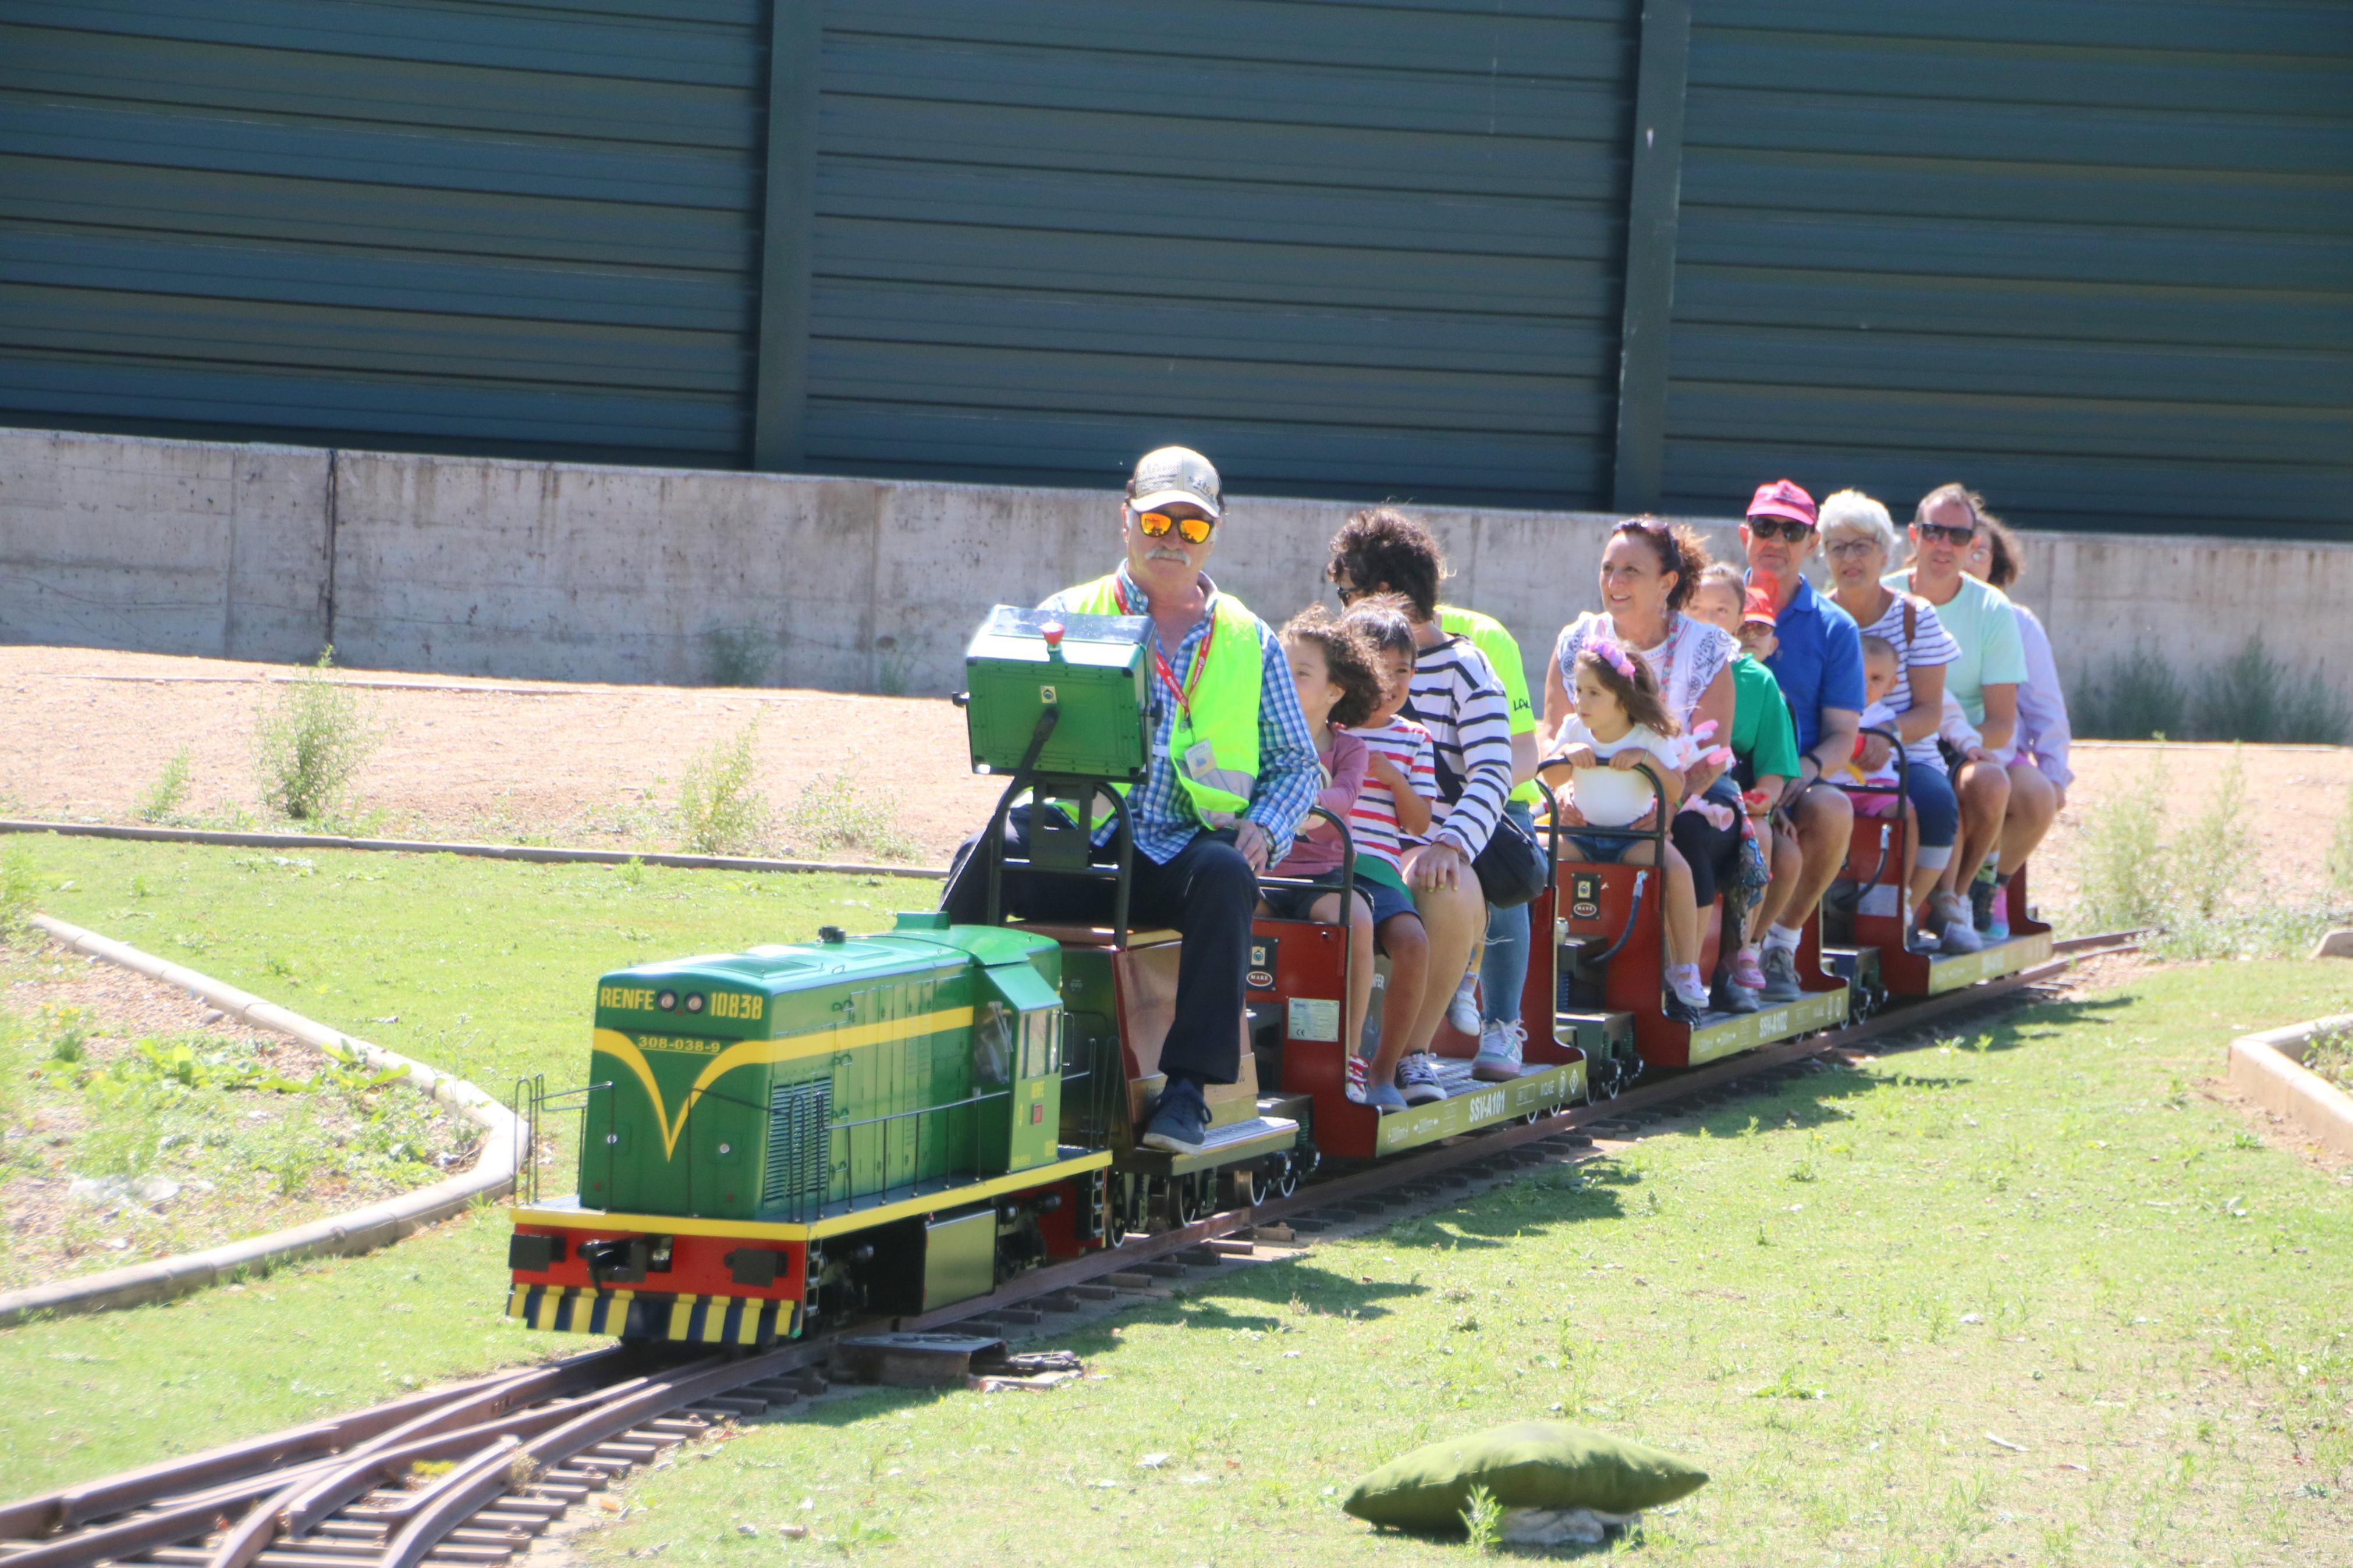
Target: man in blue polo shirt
1819,666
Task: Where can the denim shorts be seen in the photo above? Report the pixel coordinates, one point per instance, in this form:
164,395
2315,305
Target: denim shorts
1597,851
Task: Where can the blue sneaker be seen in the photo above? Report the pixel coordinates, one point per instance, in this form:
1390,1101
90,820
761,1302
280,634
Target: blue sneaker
1384,1099
1178,1120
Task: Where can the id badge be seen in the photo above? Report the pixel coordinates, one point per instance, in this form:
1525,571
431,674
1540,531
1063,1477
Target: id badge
1200,760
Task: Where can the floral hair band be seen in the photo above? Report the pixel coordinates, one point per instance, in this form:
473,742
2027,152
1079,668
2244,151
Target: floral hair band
1616,658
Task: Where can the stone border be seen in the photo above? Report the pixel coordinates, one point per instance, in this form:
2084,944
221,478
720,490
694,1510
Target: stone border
529,852
2268,1069
362,1230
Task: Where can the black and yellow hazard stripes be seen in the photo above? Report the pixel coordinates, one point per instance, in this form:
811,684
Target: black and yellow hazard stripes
629,1314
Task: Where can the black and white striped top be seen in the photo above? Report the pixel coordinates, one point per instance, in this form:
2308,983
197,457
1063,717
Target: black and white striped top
1458,698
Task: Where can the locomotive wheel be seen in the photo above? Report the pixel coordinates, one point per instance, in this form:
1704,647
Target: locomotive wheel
1286,1177
1184,1201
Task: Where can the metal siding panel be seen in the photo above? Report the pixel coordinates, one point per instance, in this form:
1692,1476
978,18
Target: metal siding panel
1353,250
491,227
2094,260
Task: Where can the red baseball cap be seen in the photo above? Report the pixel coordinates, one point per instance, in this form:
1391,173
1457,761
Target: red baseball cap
1760,601
1783,497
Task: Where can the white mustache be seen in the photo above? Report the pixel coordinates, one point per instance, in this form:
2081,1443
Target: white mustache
1165,554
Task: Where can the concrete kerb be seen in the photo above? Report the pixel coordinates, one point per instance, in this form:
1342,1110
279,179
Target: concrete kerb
359,1230
2268,1069
534,854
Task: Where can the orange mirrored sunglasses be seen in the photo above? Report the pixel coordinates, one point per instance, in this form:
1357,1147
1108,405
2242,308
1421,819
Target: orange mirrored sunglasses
1191,530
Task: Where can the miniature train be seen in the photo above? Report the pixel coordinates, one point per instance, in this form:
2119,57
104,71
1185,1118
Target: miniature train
805,1134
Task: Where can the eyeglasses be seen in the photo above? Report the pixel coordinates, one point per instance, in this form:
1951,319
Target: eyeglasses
1951,533
1787,528
1848,549
1191,530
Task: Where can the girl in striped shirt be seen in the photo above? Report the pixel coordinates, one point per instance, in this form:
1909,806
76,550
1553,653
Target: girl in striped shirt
1400,787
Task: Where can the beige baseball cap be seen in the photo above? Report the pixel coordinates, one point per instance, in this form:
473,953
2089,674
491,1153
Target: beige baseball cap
1175,474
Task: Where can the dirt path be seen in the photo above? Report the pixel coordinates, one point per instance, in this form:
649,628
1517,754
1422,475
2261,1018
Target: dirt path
600,765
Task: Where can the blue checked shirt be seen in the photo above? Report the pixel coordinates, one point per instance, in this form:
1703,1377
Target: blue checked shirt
1288,773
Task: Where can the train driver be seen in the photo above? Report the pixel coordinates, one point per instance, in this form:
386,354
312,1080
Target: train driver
1232,773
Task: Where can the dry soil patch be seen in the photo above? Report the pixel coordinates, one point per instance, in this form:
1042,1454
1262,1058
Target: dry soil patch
599,765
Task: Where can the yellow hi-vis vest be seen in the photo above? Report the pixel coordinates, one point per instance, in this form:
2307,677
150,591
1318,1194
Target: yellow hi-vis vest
1213,742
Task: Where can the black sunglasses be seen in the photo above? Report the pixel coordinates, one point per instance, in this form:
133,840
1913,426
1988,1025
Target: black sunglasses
1951,533
1787,528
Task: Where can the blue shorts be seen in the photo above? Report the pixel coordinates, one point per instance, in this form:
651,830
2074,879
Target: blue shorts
1935,804
1597,851
1293,903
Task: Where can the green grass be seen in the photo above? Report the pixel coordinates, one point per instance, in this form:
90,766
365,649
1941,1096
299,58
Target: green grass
488,969
1828,1298
2160,1297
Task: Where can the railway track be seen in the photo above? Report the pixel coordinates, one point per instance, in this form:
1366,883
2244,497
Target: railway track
465,1477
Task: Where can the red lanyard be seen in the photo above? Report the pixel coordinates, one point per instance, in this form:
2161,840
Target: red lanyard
1184,694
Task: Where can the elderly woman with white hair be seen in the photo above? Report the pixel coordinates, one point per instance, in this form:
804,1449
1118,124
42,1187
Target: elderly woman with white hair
1859,539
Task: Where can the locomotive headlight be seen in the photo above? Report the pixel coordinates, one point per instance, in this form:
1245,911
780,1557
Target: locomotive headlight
667,1001
694,1001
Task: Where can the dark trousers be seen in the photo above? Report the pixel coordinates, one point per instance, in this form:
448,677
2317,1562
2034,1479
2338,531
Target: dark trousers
1207,892
1712,852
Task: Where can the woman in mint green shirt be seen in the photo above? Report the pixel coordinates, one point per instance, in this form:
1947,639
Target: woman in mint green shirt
1985,681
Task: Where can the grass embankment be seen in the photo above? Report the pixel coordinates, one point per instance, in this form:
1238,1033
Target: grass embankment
1829,1298
479,967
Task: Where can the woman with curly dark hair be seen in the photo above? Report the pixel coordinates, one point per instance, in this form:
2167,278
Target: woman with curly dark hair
1650,569
1456,695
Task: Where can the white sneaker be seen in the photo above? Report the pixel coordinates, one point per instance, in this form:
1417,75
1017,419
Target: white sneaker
1500,1047
1357,1067
1462,1012
1418,1079
1694,996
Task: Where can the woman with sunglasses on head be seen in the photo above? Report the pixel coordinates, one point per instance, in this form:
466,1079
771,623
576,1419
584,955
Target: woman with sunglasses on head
1985,679
2044,730
1650,570
1859,537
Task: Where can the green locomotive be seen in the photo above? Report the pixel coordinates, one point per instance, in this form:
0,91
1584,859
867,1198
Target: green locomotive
877,1125
748,1112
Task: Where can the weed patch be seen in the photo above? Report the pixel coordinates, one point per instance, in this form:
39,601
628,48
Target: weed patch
834,813
310,743
720,810
2203,889
118,1143
161,800
740,656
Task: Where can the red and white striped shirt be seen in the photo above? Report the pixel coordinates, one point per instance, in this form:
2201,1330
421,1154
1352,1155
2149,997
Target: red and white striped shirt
1373,820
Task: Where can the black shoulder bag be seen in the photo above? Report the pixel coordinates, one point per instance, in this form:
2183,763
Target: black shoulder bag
1512,867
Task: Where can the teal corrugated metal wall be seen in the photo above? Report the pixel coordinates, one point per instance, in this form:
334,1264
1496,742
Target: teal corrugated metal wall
1345,249
2095,260
2094,257
497,227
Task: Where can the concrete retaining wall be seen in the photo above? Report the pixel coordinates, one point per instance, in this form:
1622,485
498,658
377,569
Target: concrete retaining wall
481,566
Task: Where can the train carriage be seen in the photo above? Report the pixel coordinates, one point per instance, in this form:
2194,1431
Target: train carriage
877,1127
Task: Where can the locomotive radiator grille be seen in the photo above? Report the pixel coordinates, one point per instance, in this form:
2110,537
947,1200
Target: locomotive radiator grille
800,1118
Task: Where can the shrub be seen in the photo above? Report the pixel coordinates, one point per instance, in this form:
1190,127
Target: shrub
2254,697
2249,696
720,810
2212,858
2123,877
18,882
2340,851
310,743
833,812
161,800
2140,697
739,656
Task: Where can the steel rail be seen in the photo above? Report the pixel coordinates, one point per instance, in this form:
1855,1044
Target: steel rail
510,1437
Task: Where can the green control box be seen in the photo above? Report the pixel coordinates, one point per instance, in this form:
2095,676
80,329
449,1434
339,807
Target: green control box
1084,680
